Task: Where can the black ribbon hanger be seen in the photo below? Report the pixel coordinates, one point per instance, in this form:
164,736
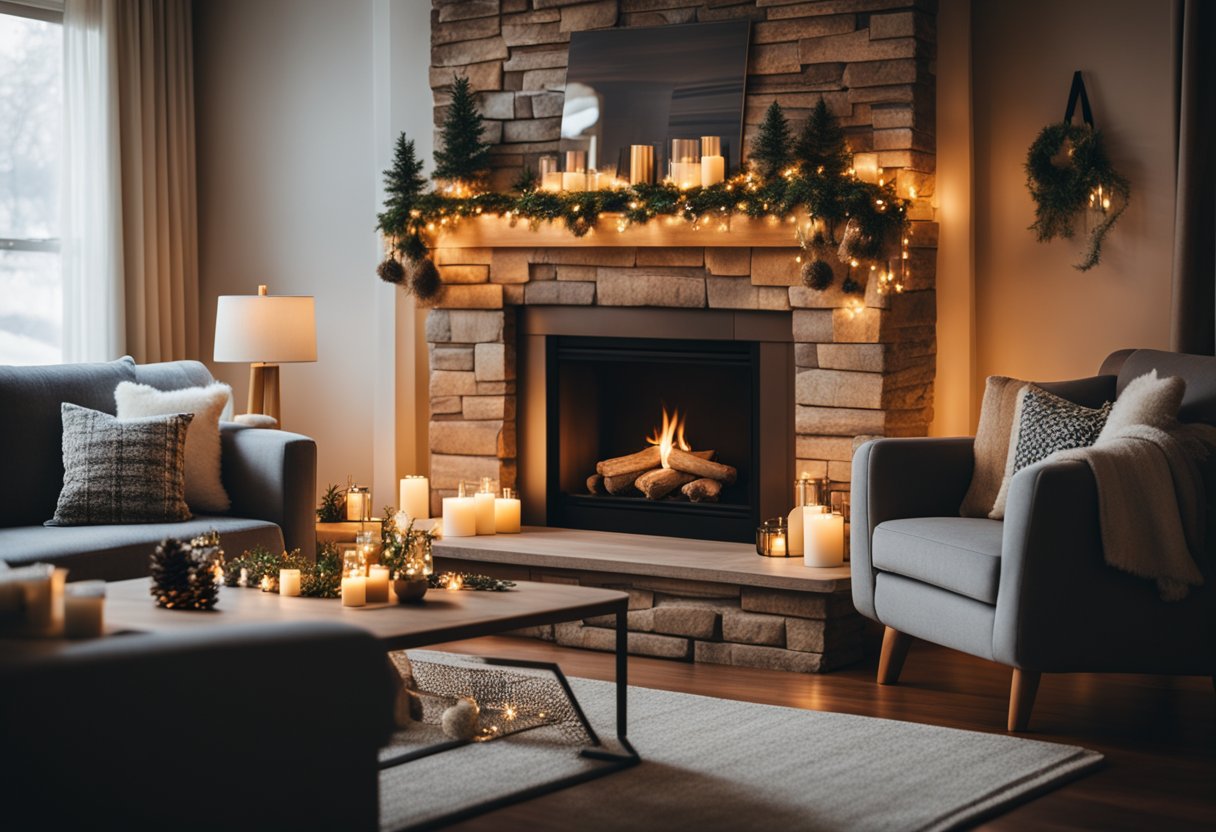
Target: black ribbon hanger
1078,92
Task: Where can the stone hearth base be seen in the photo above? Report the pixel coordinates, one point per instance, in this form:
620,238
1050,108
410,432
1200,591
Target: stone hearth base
702,601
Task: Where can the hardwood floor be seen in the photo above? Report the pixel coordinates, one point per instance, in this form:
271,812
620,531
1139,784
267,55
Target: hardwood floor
1158,733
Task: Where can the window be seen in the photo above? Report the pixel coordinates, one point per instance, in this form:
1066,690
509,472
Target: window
31,116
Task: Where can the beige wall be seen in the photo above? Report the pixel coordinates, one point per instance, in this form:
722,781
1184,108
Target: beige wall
298,103
1036,316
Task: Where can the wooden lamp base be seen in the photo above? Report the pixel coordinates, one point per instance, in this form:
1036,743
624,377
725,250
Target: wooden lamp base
264,390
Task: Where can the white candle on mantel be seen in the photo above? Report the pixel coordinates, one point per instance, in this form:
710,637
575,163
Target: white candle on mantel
377,584
506,513
823,540
459,516
713,170
483,502
354,591
416,497
289,582
84,609
865,167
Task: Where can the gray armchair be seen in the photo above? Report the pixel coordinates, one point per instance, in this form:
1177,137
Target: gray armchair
1033,591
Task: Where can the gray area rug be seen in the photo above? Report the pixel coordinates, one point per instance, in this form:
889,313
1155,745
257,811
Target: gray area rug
710,764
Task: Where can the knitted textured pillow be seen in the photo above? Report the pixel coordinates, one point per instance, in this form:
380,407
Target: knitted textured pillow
1043,424
204,488
121,470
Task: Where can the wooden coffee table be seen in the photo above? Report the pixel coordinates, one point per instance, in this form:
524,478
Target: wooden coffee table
442,616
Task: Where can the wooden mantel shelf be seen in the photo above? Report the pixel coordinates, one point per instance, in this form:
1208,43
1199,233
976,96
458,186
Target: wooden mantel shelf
497,232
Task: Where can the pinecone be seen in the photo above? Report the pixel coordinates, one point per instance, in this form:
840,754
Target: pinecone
391,271
817,274
852,287
182,578
424,280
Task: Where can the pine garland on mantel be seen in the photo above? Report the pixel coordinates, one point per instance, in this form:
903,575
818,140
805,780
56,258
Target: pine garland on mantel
816,190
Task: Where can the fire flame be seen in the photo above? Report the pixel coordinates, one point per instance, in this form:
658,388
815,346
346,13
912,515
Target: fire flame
669,436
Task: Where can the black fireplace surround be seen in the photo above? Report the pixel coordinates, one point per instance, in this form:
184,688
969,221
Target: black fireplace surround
604,390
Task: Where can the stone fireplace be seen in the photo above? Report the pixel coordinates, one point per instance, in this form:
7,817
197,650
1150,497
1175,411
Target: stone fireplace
828,370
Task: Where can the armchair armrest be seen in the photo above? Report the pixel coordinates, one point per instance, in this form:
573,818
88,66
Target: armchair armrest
897,478
154,730
1061,608
272,475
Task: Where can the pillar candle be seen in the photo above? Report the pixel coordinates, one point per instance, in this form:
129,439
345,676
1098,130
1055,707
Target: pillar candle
483,502
459,517
84,609
574,181
641,164
354,591
377,584
865,166
823,540
416,497
551,181
289,582
506,513
713,170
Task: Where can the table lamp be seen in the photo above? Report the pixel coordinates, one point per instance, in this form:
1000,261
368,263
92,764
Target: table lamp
265,331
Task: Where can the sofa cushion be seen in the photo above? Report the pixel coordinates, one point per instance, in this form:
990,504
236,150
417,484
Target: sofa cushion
122,470
204,489
959,554
115,553
31,431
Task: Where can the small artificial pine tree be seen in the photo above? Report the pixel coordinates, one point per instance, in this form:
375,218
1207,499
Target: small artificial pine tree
464,157
403,184
770,150
822,149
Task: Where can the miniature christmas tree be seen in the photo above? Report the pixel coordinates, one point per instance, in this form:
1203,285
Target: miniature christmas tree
464,157
822,150
770,150
403,184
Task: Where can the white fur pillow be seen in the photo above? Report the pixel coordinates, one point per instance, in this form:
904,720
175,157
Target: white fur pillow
1146,400
204,488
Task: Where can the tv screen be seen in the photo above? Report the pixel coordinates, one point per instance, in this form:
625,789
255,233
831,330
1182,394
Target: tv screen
652,85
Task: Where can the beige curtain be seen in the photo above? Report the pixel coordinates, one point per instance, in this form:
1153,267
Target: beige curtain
160,224
1193,322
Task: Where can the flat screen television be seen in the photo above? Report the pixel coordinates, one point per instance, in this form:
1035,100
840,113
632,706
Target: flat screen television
652,85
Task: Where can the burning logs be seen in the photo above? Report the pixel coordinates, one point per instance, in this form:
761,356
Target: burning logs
703,490
692,474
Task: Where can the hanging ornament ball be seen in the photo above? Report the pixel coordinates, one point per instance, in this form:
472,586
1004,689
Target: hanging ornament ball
817,274
424,279
461,720
391,271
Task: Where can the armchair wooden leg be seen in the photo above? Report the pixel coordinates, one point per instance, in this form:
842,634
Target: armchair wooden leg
1021,698
891,660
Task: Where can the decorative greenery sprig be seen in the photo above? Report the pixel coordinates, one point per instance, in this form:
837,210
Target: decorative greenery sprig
469,581
406,551
1068,173
320,579
330,510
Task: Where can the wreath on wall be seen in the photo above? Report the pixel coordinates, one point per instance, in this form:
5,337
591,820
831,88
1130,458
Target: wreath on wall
1070,175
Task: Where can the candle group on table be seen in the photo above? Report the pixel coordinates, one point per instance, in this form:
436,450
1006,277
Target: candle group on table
483,513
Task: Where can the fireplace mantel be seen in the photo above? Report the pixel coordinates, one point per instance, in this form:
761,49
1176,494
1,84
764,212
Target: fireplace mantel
498,232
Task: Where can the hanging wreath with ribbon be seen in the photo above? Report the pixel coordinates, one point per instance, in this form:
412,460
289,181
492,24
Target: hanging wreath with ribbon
1070,175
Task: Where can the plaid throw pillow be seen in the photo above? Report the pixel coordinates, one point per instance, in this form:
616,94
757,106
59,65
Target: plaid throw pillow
121,470
1043,424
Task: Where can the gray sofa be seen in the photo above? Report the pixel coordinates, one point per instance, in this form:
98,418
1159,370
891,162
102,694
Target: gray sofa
1032,592
246,728
270,475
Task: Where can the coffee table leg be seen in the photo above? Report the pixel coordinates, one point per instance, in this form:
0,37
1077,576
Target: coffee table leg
622,673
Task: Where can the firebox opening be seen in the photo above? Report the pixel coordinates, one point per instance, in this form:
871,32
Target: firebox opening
611,398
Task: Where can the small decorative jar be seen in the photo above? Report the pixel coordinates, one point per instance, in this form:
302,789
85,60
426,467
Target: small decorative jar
772,538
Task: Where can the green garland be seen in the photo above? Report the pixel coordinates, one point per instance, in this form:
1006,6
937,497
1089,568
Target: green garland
470,581
319,579
1068,172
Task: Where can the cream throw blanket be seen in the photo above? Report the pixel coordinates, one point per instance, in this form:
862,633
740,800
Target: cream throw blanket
1151,501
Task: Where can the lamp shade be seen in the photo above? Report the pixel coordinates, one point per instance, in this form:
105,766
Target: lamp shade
272,329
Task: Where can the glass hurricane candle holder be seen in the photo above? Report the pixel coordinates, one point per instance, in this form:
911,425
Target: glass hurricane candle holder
358,503
772,538
354,563
367,546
